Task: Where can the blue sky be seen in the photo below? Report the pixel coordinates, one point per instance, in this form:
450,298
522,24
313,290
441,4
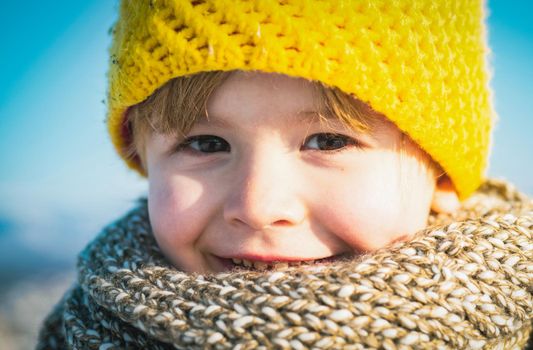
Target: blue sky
58,165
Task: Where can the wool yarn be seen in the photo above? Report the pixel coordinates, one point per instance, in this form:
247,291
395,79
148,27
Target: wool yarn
421,63
463,283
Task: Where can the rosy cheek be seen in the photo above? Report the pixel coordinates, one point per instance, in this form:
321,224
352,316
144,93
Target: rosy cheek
175,209
365,220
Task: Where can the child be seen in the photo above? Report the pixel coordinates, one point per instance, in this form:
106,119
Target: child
293,149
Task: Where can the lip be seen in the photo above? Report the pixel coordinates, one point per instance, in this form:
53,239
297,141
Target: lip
269,258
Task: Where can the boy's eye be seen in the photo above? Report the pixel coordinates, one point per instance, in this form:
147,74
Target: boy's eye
329,142
205,144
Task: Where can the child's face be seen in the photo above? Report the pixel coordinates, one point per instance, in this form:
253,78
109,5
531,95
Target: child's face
265,180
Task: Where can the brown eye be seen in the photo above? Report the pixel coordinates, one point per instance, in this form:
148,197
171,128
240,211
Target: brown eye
329,142
206,144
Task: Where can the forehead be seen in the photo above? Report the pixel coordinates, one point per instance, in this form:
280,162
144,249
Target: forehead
255,97
259,94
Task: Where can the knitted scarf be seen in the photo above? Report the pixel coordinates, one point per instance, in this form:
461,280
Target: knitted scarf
463,283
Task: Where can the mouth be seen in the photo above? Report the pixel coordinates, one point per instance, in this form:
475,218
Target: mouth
266,265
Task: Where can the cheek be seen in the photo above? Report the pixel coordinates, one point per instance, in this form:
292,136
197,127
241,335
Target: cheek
371,208
364,215
178,210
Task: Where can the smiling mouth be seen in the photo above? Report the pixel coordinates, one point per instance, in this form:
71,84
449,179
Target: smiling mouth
280,265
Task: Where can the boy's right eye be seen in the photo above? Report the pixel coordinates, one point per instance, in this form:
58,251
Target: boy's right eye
205,144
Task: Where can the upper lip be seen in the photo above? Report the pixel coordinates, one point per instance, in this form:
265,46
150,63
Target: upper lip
276,258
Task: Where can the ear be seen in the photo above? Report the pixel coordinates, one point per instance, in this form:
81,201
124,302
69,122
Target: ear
445,199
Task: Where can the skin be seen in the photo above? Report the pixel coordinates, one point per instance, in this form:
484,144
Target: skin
269,185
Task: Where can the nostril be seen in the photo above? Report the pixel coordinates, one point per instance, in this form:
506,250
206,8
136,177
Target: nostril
281,223
259,213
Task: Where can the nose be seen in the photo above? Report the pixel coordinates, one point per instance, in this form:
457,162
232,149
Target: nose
265,194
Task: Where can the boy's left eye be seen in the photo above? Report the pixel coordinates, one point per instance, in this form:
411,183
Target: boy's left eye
329,142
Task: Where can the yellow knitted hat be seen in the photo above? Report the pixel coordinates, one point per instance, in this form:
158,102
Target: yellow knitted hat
422,63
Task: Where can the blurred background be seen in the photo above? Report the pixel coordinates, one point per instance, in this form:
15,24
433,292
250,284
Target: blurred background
60,180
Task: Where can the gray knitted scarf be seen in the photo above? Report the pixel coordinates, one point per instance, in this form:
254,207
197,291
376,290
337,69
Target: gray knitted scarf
463,283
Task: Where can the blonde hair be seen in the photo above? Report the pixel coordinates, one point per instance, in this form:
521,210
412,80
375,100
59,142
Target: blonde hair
174,108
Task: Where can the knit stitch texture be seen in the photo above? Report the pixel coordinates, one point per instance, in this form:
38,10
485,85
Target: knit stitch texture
466,282
422,63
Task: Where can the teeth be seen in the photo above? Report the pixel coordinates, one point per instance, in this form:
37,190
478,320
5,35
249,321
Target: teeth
281,265
275,265
259,265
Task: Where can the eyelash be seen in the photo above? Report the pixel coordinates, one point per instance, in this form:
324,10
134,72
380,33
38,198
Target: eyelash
330,137
186,145
349,142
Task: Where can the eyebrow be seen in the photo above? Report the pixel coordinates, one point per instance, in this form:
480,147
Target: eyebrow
290,119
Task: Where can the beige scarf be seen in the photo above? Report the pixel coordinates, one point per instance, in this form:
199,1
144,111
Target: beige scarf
463,283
